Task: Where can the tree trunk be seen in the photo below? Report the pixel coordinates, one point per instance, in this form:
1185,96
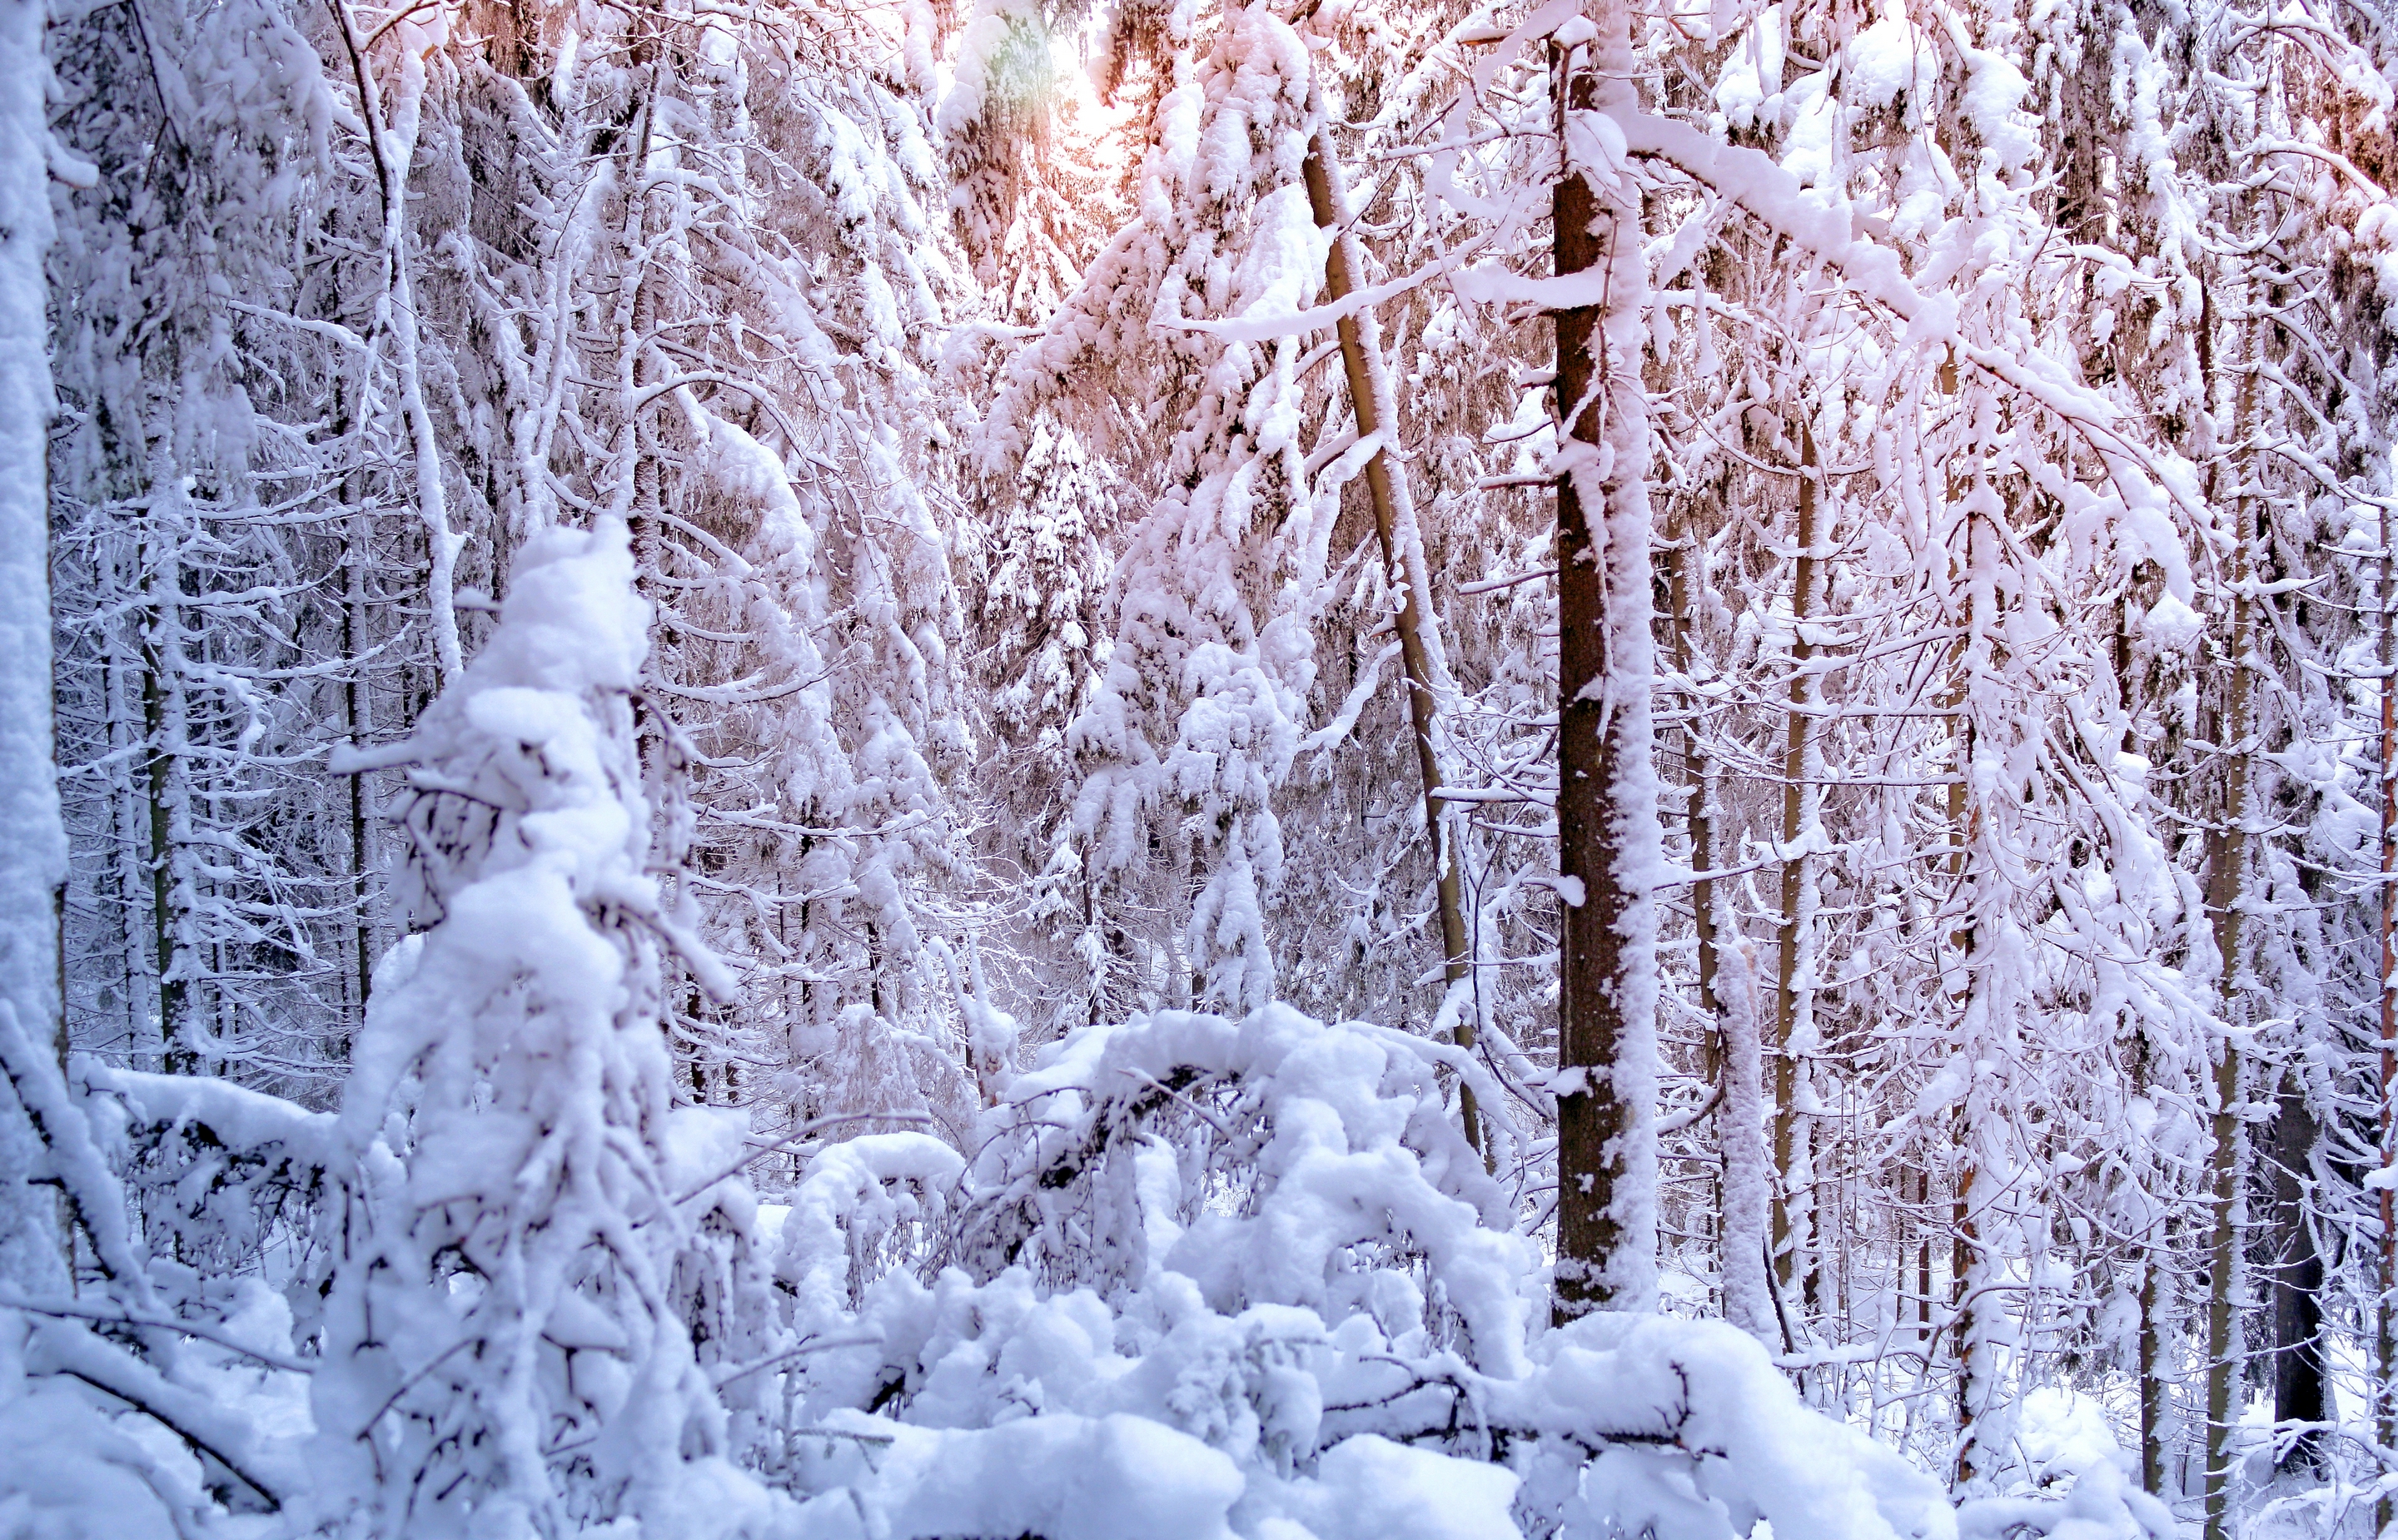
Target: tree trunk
396,312
2148,1369
2300,1371
1965,1268
1402,542
1747,1180
2385,1329
358,706
1967,1265
2153,1389
2227,863
161,774
1801,802
1608,836
1698,773
1923,1253
33,1255
1728,994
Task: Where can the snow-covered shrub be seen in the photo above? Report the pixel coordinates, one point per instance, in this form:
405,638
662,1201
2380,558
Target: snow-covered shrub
229,1185
501,1354
1301,1160
1213,1277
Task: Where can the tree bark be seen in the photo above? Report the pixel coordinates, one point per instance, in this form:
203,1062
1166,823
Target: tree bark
2385,1329
33,1242
160,705
1967,1265
357,538
1608,836
1801,804
2149,1348
2300,1372
1402,542
2227,863
1698,771
2153,1389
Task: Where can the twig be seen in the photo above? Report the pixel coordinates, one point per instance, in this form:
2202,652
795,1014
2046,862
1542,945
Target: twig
64,1310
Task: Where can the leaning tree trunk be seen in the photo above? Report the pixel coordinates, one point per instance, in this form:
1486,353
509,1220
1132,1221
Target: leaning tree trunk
1402,542
1608,837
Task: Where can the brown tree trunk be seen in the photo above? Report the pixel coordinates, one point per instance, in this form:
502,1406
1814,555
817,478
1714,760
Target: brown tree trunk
1608,836
2153,1389
1964,1247
1797,800
2149,1367
1403,559
1698,774
159,770
2300,1371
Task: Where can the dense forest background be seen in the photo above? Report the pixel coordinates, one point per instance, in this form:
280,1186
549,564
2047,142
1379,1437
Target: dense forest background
981,767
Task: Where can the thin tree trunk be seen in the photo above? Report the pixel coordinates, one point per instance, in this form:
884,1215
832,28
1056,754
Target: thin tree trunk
357,705
1728,994
160,771
2300,1370
1402,542
1963,1298
126,838
2153,1390
2149,1367
1800,803
1698,771
2385,1329
392,137
1923,1253
2226,869
1965,1261
1747,1180
1609,842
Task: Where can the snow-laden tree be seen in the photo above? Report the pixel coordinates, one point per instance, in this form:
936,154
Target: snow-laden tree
693,274
233,598
503,1349
1202,706
109,1429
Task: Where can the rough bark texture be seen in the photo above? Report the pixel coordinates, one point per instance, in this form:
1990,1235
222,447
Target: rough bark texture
1608,834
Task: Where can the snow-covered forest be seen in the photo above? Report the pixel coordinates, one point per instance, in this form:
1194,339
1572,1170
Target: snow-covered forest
1198,769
